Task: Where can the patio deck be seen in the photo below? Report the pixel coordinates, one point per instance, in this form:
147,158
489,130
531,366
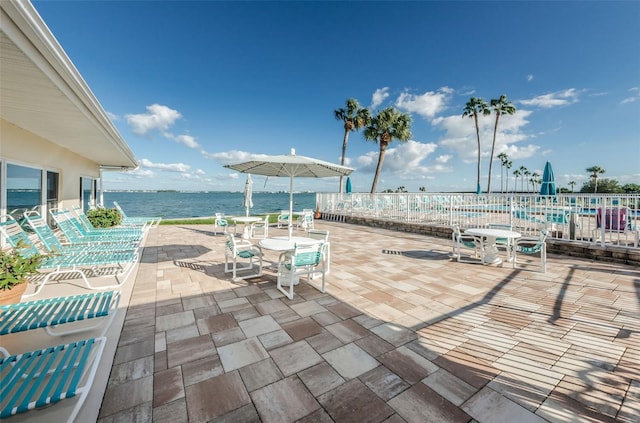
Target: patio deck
402,334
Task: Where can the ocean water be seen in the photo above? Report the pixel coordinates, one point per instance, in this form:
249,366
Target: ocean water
171,205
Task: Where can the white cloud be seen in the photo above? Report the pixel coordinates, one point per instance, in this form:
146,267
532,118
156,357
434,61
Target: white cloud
635,96
159,118
233,156
187,140
404,159
379,96
426,105
460,135
444,158
559,98
113,116
529,78
170,167
199,172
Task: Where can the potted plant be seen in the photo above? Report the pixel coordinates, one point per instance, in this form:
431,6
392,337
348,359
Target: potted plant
14,270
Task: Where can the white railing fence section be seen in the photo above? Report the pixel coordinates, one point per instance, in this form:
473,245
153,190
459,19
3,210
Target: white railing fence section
597,218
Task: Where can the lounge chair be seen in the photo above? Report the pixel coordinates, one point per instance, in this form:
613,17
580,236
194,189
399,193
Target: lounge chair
54,315
50,241
303,260
40,378
236,249
76,233
117,264
463,242
152,221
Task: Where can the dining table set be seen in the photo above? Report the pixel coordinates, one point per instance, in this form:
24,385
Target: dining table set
490,237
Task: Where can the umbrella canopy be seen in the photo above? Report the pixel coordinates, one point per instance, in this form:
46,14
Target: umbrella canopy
247,203
548,186
348,186
290,165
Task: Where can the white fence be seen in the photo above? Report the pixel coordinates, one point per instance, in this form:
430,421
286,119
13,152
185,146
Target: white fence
603,219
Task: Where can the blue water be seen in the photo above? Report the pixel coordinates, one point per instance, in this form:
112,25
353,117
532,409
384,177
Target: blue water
170,205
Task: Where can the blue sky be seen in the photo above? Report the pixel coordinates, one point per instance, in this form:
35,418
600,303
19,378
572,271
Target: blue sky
192,86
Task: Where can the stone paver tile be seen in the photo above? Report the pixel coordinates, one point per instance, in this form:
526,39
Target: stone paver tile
215,397
240,354
271,306
160,361
318,416
216,323
475,372
344,310
259,326
160,340
518,390
179,334
384,382
321,378
131,370
133,334
173,412
285,401
450,387
233,304
630,409
229,336
246,313
295,357
348,331
488,405
354,402
134,351
308,308
420,404
408,364
203,369
127,395
175,320
189,303
244,414
302,328
350,361
142,413
394,334
191,349
167,386
374,345
326,318
324,342
275,339
260,374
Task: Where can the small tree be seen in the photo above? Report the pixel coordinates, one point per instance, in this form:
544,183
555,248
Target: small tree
354,118
572,184
594,172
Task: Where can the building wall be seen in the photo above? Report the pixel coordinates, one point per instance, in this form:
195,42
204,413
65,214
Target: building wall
25,148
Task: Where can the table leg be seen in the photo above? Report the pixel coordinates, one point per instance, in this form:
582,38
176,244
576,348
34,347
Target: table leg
491,252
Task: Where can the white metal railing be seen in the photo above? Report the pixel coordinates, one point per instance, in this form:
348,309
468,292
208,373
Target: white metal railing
596,218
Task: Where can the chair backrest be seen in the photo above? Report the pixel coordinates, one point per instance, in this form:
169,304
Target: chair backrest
221,222
504,226
68,229
82,217
615,219
535,248
124,215
319,234
17,237
307,254
43,231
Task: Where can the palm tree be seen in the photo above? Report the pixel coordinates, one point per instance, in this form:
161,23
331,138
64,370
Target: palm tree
523,172
422,189
507,166
572,184
595,171
473,107
535,177
516,173
503,160
388,125
526,174
501,107
354,117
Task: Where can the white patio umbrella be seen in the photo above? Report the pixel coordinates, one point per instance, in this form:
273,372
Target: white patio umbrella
292,166
248,194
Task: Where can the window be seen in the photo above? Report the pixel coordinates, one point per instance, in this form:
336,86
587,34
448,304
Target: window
87,193
24,189
52,194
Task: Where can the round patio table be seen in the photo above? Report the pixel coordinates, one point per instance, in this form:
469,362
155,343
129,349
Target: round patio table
246,220
491,251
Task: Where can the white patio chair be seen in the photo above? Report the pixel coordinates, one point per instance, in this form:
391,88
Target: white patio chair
303,260
262,226
530,245
463,242
236,249
223,223
323,235
283,219
305,221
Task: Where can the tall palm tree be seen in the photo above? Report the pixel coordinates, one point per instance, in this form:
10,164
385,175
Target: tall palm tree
474,107
572,184
507,166
526,174
354,117
388,125
535,177
500,107
595,171
503,160
516,173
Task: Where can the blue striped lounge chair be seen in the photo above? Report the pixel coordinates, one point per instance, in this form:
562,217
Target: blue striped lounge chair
152,221
116,264
74,232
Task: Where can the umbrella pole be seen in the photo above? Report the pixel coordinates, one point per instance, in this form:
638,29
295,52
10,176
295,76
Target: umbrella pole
291,207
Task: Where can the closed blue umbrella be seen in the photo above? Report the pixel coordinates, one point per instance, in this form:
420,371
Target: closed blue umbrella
548,186
348,187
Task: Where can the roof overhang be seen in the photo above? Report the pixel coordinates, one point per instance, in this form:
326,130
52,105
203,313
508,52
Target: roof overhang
42,92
